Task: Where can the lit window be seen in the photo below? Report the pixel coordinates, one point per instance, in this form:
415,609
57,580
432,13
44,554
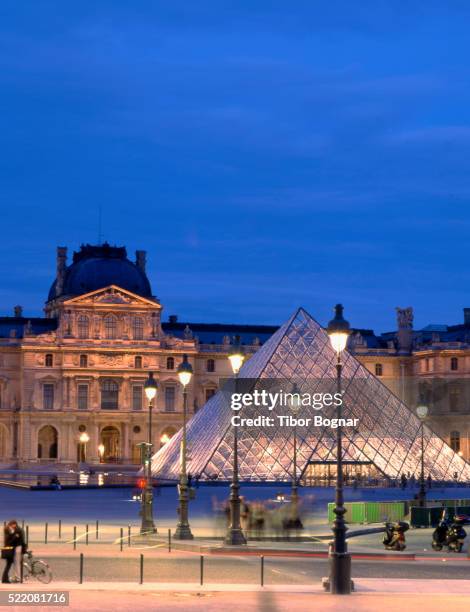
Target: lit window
454,363
83,361
109,395
210,365
138,362
137,397
49,361
110,327
455,441
378,369
137,328
170,363
83,326
48,396
82,397
170,399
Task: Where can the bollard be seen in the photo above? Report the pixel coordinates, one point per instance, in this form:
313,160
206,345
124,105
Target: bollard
96,529
121,538
21,571
201,573
81,569
75,538
27,535
128,535
169,540
141,569
262,570
60,529
46,527
86,536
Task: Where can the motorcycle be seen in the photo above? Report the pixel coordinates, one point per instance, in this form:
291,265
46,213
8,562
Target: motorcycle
450,533
394,537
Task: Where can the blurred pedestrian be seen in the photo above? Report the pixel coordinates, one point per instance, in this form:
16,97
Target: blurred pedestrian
13,550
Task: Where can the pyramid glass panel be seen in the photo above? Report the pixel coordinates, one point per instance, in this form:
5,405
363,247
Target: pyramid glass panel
388,434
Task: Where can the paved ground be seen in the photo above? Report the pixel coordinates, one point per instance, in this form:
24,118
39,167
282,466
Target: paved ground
371,595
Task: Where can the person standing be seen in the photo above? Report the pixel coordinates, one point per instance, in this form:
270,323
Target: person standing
14,548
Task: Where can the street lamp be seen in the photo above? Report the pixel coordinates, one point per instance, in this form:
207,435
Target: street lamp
422,412
294,405
183,530
235,535
148,526
339,558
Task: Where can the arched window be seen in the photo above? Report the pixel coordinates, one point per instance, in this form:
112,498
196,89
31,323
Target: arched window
110,327
109,395
378,369
49,361
83,361
170,363
454,363
455,441
137,328
83,326
210,365
138,362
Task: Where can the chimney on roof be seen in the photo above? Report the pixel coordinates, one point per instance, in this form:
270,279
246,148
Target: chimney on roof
466,316
61,266
18,311
173,318
141,260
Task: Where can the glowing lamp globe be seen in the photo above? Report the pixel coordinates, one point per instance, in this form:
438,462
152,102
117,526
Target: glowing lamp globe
236,358
422,411
150,387
185,371
338,330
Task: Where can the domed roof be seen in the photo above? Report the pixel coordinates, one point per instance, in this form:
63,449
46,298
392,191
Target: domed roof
95,267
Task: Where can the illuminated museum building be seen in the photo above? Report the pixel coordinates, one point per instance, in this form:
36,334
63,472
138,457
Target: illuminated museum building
72,383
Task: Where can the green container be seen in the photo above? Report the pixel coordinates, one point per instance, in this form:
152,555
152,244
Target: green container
430,517
370,512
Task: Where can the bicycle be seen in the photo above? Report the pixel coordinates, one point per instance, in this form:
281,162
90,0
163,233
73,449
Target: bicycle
37,568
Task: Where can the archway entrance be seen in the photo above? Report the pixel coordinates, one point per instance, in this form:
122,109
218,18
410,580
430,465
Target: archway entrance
110,451
47,442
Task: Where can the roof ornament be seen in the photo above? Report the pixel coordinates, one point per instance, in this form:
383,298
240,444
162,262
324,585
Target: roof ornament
187,333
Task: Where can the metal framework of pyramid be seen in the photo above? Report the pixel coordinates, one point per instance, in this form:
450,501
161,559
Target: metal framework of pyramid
389,435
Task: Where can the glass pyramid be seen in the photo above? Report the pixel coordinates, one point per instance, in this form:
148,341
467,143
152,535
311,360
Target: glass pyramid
388,434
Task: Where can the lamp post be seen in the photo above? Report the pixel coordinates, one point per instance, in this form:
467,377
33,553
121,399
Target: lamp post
422,412
183,530
294,521
339,558
148,526
235,535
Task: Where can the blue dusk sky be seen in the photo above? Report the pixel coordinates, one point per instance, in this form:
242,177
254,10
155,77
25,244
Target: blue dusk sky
267,155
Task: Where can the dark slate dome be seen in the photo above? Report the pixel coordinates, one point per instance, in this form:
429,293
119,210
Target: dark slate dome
95,267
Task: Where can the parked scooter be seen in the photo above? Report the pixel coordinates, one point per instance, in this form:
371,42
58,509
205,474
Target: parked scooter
450,533
394,537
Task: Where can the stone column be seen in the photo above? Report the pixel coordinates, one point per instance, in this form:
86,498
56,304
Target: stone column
92,449
125,455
